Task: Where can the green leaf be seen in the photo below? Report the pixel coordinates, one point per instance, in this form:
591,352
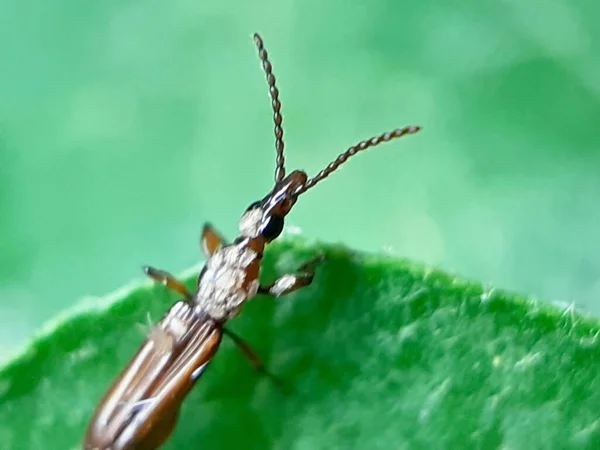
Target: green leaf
381,353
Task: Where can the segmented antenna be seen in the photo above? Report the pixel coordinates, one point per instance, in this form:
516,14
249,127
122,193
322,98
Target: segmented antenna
342,158
277,118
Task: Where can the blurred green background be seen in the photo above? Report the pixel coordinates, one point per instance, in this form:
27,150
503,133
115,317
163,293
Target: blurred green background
124,125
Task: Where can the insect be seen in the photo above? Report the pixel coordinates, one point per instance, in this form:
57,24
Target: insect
140,409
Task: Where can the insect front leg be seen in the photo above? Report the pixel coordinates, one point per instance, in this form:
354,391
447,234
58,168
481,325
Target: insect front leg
160,276
211,240
292,282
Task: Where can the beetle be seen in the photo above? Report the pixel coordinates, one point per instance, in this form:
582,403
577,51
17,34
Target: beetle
139,411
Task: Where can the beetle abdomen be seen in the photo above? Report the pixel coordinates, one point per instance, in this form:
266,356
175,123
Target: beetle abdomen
140,409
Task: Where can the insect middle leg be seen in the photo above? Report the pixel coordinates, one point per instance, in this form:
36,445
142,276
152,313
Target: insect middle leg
254,359
292,282
163,277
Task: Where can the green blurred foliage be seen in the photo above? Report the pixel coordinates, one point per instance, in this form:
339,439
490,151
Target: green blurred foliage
125,125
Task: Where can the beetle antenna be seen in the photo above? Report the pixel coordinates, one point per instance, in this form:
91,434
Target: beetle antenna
363,145
277,118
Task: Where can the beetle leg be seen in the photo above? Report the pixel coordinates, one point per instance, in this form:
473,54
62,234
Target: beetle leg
160,276
211,240
292,282
253,358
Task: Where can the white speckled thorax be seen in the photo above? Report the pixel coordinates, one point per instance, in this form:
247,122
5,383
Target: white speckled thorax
221,287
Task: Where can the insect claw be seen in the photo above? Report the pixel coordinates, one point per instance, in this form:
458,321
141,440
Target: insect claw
283,387
311,265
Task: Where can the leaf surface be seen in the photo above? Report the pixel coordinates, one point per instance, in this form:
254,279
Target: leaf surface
380,353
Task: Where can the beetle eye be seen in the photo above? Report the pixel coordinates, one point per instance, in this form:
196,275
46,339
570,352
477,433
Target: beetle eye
273,228
252,206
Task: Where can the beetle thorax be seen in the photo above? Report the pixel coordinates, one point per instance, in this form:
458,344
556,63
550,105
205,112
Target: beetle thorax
229,278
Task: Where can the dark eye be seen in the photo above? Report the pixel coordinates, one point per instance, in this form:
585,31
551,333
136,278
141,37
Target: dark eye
253,205
273,228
